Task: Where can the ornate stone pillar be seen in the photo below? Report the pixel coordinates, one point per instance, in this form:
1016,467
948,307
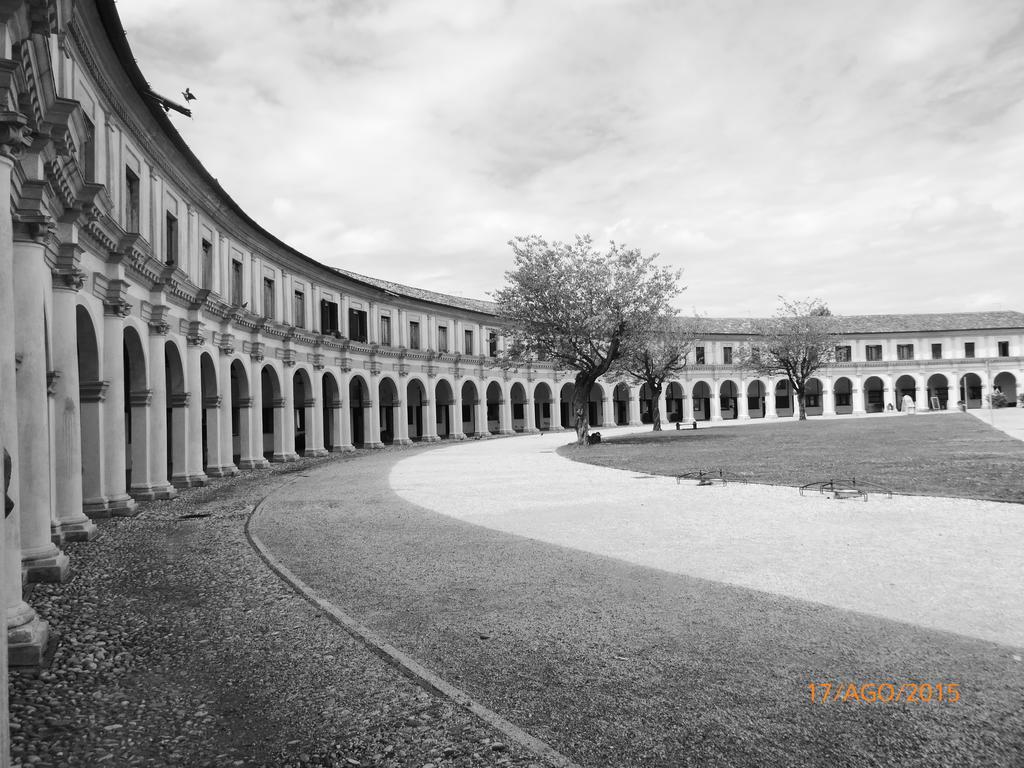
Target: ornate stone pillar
634,406
194,410
400,413
180,403
26,633
158,406
41,559
72,524
371,419
115,309
91,397
428,415
315,417
140,402
223,464
284,419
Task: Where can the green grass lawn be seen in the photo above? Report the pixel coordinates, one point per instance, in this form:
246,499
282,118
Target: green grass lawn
937,455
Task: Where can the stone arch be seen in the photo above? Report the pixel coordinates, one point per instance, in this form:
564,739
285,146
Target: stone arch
874,394
137,417
785,398
675,396
390,405
495,398
1006,383
303,410
444,410
331,404
814,390
972,390
360,405
90,400
565,395
756,402
905,385
701,394
517,398
595,406
937,390
417,413
273,412
470,409
842,389
210,403
241,414
620,403
543,407
728,399
178,401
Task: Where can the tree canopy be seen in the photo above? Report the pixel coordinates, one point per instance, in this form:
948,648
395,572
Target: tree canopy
581,309
796,343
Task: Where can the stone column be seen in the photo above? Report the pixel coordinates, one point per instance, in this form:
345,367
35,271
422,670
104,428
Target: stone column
284,420
531,416
742,405
194,411
481,426
634,406
401,416
251,416
857,396
140,402
115,444
26,633
371,420
72,524
40,557
888,395
663,405
429,418
180,403
828,397
91,397
716,401
223,464
686,408
159,481
921,401
456,406
769,400
505,414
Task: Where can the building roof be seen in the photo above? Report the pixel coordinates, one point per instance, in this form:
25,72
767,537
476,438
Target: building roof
420,294
854,325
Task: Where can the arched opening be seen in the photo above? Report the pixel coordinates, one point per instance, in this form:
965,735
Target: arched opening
330,395
359,410
938,392
542,407
177,415
701,402
906,386
416,409
494,402
445,403
620,403
728,395
646,396
565,415
273,409
756,399
517,394
843,391
211,410
674,402
470,403
92,391
874,395
136,415
595,406
241,413
1006,384
785,402
813,405
971,390
303,404
387,394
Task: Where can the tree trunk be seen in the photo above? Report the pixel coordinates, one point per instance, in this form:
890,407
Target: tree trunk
800,405
581,406
655,406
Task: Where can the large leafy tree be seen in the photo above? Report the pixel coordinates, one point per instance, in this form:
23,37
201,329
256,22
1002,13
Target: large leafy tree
662,357
796,343
581,309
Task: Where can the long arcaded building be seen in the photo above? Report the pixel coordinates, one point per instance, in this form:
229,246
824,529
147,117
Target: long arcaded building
152,335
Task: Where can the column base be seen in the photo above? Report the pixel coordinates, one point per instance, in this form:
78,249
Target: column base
401,441
26,643
431,439
47,569
189,481
255,463
458,436
123,506
315,453
506,432
76,530
96,507
227,470
374,446
164,491
531,431
280,458
343,449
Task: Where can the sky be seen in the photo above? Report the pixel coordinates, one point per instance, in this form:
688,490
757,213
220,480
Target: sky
870,154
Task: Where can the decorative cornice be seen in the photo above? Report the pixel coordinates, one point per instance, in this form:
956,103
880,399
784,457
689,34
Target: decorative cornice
115,302
93,391
179,399
140,398
15,135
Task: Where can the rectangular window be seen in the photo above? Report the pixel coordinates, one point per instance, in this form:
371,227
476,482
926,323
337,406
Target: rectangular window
299,310
873,352
442,338
268,297
843,354
969,349
357,325
1004,349
727,355
328,316
699,352
468,343
492,343
171,246
131,201
236,282
385,331
936,351
207,249
904,351
414,335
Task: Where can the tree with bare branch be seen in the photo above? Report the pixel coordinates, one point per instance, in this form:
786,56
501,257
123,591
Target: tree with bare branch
580,309
796,343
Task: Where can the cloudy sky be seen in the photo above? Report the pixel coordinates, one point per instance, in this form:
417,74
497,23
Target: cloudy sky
868,153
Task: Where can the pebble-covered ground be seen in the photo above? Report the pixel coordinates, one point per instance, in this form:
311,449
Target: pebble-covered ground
179,647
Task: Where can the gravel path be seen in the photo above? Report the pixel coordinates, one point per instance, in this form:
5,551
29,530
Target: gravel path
616,664
178,646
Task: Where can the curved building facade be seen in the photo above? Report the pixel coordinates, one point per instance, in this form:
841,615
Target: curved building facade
152,335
